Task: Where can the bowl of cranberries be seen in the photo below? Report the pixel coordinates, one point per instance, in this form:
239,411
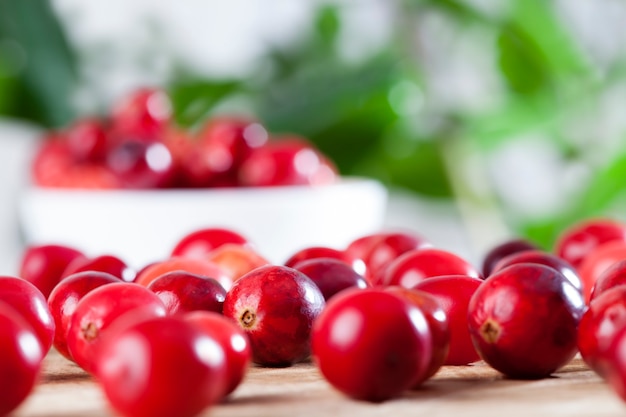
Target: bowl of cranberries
132,183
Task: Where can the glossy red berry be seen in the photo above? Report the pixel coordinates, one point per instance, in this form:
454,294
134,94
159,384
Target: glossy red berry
331,275
99,309
437,323
453,293
503,250
87,141
232,339
542,258
598,261
370,254
275,305
612,277
104,263
64,298
142,164
28,301
523,320
578,240
371,344
21,358
43,265
412,267
199,243
162,366
605,316
314,252
183,291
143,114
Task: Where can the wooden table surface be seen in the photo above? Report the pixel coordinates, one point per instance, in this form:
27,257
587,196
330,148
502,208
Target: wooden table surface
475,390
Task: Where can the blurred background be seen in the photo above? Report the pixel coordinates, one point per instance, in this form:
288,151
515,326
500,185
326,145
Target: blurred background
486,119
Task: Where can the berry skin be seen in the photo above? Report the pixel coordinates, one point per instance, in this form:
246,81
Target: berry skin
43,265
372,345
613,276
523,320
161,367
20,359
182,291
199,243
503,250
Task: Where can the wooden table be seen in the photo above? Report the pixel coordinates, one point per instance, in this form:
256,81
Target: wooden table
475,390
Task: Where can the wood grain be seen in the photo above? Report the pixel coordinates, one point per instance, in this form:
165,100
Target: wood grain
475,390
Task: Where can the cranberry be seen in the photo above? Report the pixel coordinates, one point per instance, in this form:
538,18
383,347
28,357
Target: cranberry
28,301
202,241
275,305
104,263
437,323
43,265
220,148
64,298
183,291
372,345
315,252
503,250
99,309
285,161
523,320
578,240
87,140
615,372
143,114
194,266
611,277
598,261
453,293
412,267
162,366
599,324
370,254
236,260
232,339
142,164
331,275
543,258
21,356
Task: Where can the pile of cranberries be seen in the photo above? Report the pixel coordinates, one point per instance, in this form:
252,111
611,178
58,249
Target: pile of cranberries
138,146
377,318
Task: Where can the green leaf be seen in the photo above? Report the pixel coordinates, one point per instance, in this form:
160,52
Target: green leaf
48,80
193,100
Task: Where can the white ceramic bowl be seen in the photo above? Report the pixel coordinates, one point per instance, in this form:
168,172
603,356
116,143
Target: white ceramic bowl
143,226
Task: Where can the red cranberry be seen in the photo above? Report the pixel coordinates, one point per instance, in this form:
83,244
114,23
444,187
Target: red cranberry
199,243
162,366
87,141
200,267
412,267
142,164
220,148
232,339
103,263
543,258
371,344
315,252
503,250
437,323
599,324
275,306
578,240
285,161
99,309
182,291
28,301
64,298
453,293
371,254
598,261
615,372
523,320
331,275
143,114
612,277
43,265
21,356
236,260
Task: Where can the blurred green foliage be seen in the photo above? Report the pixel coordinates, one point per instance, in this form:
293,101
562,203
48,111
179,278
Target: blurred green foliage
347,108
